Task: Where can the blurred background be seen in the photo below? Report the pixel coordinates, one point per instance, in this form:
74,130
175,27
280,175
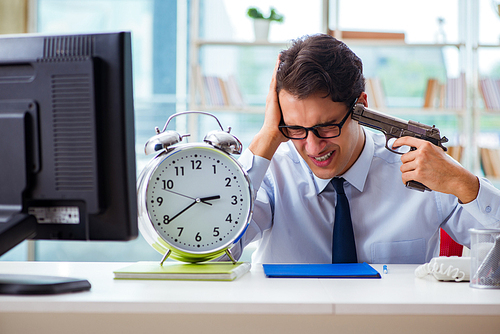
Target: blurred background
435,62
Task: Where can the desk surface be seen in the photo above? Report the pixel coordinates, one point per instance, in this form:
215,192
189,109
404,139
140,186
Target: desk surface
399,294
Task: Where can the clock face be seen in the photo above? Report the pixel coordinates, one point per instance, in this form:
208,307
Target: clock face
198,199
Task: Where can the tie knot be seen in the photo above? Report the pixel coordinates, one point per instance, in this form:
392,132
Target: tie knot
338,184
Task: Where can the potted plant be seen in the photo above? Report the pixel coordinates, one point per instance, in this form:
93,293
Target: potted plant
261,23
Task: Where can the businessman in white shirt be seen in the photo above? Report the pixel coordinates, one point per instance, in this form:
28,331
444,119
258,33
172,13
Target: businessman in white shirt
314,87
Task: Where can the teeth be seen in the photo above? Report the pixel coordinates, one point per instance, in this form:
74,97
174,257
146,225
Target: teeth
323,158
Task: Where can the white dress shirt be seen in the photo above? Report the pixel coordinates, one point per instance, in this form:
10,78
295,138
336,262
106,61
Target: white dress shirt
294,210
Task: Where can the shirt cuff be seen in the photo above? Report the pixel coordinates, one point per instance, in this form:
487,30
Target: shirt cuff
486,207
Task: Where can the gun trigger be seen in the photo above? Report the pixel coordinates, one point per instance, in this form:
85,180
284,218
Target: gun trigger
388,137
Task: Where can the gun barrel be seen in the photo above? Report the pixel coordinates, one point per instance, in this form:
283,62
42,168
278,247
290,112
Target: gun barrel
394,127
370,116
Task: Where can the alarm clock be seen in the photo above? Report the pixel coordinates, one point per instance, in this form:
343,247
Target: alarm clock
195,201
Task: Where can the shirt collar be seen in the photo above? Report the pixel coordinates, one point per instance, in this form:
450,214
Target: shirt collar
357,174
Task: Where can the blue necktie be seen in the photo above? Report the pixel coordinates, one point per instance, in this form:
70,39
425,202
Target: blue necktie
344,246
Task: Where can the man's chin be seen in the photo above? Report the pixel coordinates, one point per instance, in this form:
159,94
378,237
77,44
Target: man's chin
325,172
325,176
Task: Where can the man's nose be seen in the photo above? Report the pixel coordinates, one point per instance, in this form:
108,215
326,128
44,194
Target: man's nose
314,145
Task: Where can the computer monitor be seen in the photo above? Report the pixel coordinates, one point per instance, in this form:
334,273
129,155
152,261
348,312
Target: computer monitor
67,143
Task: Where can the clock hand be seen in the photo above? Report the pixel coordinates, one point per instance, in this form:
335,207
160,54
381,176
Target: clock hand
184,210
194,199
197,200
173,192
209,199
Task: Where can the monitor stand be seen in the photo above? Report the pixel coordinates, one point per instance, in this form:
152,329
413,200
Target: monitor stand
13,284
18,228
18,122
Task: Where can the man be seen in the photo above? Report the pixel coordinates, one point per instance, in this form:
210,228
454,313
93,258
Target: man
309,138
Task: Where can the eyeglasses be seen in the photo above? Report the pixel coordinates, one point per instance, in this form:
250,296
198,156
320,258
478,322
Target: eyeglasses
325,131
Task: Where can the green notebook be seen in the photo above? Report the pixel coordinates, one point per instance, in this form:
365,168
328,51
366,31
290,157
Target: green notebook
212,271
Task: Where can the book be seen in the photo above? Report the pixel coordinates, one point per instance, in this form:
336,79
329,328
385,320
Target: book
375,91
490,92
199,85
223,90
334,270
495,161
212,271
234,92
486,162
215,91
490,162
456,92
455,152
433,97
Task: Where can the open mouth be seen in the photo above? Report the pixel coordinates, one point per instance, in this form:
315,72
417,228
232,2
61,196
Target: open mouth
323,157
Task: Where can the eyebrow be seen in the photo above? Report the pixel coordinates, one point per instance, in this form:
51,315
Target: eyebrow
328,123
320,124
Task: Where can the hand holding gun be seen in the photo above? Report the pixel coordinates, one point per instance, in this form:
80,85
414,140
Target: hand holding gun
394,128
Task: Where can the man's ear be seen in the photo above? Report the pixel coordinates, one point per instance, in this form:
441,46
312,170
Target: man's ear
363,98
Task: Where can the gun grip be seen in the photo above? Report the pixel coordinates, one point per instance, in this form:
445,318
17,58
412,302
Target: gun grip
416,186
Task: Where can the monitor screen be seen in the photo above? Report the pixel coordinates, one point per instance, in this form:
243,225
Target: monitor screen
67,143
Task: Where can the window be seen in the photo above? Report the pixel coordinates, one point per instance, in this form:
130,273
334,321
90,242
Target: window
153,24
163,61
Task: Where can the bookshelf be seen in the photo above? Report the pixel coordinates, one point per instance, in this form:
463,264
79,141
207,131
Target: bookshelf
463,117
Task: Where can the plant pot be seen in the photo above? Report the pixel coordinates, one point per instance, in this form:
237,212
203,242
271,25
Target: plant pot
261,29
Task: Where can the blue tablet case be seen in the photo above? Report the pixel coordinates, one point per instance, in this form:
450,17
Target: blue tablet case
335,270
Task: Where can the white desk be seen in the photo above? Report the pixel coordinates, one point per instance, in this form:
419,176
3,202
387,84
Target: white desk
398,302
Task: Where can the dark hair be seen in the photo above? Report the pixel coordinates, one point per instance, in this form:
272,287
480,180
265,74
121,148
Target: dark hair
320,63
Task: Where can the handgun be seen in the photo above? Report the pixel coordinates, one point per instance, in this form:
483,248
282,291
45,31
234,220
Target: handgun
394,128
